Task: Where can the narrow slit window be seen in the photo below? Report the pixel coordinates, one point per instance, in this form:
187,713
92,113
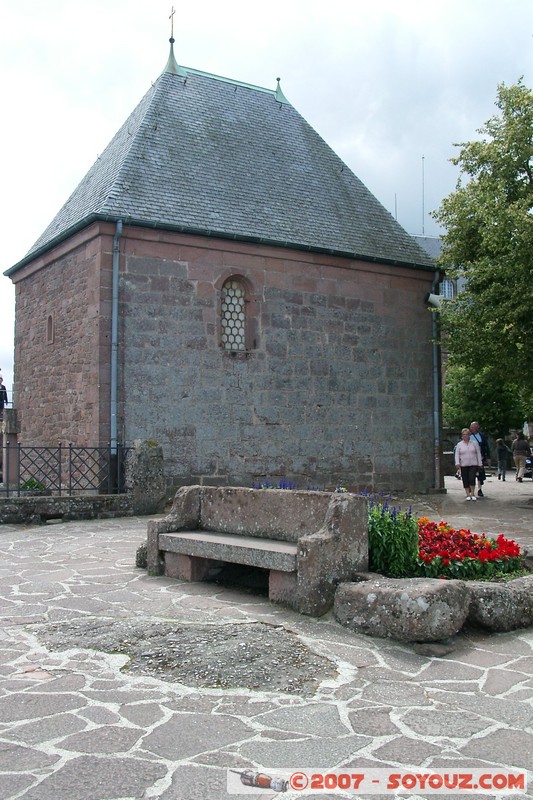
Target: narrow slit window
50,332
233,316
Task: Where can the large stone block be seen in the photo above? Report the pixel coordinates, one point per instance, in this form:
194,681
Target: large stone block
410,610
144,477
501,606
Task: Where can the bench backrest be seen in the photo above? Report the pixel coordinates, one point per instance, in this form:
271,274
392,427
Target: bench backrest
268,513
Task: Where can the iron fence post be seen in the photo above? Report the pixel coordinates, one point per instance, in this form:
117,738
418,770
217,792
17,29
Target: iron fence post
59,475
110,470
5,467
120,458
19,456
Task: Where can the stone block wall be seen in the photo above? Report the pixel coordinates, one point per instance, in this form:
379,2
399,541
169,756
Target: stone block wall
62,350
336,385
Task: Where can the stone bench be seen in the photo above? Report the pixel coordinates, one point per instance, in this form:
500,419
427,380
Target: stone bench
309,541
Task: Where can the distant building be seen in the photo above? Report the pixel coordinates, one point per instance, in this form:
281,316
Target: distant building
433,245
221,282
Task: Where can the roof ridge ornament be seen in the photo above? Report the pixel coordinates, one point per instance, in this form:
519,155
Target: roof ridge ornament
171,18
172,65
280,97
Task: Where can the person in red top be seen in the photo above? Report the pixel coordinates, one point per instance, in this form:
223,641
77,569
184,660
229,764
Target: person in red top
468,460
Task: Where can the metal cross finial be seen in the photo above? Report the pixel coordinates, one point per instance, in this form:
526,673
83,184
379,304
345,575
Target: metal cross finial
171,18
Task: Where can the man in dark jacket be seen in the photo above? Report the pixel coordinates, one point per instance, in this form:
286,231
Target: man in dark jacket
3,397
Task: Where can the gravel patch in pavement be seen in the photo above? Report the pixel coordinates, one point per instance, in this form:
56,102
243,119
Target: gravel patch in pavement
246,655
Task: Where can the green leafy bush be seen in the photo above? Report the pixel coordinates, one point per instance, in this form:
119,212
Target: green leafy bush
392,541
32,485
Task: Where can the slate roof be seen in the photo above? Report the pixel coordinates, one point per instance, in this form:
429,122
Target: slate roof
431,244
205,154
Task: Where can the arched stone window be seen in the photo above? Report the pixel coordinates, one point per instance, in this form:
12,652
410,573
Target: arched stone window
233,315
447,289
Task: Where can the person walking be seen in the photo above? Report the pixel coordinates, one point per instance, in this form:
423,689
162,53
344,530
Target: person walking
3,397
468,459
502,452
521,450
477,435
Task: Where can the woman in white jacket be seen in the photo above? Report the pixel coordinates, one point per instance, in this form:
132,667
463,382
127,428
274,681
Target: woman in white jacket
468,460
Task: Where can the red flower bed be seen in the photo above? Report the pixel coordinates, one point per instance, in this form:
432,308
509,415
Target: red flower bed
449,553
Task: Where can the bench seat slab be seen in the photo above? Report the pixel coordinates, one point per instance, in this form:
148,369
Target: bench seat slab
265,553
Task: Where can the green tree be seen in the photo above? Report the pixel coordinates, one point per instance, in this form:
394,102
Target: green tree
488,239
470,395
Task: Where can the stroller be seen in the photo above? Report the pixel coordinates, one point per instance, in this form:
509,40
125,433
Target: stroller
529,467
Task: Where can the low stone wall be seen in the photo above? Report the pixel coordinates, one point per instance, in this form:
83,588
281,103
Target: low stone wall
38,510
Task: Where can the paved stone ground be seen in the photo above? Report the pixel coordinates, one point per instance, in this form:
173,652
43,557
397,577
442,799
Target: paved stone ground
507,507
115,685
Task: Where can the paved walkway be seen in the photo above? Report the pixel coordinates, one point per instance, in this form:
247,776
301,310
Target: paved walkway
507,507
73,726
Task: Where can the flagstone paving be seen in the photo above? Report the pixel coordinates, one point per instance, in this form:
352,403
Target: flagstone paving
115,685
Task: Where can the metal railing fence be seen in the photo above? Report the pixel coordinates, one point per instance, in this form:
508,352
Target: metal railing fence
62,470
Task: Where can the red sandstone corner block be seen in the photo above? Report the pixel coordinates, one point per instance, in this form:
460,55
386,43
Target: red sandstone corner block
186,568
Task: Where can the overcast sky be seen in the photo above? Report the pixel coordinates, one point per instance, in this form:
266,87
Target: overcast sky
390,85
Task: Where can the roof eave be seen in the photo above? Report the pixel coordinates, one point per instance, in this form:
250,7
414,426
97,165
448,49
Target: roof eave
79,226
215,234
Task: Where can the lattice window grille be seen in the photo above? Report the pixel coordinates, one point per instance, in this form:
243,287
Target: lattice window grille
447,289
233,316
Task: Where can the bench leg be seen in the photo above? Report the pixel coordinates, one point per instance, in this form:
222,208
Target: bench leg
187,568
282,588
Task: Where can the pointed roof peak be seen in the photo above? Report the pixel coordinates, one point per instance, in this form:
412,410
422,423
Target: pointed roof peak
280,97
172,65
209,156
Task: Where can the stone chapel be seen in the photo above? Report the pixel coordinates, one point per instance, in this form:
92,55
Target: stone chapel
222,283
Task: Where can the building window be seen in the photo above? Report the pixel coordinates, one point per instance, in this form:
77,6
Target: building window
447,289
233,315
50,329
